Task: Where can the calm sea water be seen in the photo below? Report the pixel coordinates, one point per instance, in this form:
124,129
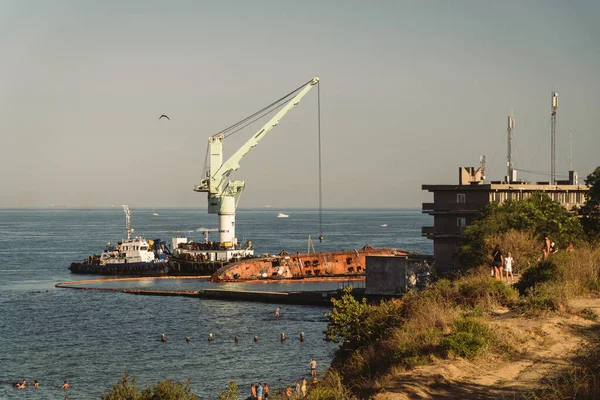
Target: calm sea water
91,338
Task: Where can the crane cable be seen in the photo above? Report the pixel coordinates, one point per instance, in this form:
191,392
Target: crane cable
320,180
260,113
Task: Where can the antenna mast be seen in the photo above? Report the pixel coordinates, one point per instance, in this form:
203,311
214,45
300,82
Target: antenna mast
482,163
127,221
570,150
553,139
509,162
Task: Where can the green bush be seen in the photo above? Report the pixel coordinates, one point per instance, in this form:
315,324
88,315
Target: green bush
356,323
232,392
479,290
169,390
538,274
124,389
536,216
162,390
331,388
469,339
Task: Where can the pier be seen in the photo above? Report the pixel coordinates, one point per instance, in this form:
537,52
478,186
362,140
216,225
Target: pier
317,297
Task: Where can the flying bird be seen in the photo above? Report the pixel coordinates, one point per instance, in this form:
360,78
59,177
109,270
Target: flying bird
166,116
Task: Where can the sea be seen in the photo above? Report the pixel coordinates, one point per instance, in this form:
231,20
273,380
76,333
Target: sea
90,338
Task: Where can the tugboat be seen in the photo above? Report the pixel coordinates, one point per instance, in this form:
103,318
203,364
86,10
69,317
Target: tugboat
205,258
132,256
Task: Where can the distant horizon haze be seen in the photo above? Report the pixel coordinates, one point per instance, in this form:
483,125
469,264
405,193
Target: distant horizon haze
409,92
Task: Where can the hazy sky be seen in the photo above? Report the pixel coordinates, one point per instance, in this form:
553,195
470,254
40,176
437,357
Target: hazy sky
410,91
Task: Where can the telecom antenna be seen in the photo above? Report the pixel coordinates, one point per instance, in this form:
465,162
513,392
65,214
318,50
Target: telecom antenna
509,163
482,164
570,150
553,139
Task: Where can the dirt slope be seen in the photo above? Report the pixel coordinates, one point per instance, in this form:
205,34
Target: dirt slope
547,344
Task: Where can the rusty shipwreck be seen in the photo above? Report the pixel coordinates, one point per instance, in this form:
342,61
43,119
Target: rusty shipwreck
315,266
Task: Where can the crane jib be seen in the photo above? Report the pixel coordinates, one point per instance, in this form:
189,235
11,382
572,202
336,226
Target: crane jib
223,196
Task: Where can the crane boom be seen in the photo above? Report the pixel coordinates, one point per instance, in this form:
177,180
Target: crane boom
223,195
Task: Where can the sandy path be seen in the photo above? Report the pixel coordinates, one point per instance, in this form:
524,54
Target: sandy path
547,344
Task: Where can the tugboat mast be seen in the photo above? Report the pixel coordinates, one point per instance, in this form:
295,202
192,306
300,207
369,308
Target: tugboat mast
127,221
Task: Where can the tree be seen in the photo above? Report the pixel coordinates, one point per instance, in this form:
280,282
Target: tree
357,323
162,390
590,212
123,390
537,215
232,392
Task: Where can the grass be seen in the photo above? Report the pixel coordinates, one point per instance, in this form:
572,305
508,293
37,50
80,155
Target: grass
548,286
450,318
446,319
579,381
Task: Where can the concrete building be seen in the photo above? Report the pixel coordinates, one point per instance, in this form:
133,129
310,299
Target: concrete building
455,207
394,275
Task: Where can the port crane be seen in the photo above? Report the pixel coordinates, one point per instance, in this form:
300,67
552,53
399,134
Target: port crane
223,194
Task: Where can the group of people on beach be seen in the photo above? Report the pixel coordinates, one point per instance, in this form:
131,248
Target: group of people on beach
261,390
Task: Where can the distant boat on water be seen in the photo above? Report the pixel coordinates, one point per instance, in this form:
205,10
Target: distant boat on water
154,213
383,225
282,215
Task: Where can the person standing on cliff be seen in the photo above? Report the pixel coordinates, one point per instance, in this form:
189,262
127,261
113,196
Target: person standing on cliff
259,391
547,248
313,368
508,262
498,262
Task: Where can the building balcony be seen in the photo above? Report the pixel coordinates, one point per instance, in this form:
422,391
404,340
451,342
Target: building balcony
427,230
430,233
452,208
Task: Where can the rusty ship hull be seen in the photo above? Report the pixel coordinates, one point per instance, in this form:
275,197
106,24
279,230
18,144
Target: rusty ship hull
345,264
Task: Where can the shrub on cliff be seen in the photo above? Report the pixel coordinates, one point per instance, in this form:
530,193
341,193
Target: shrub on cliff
536,216
590,212
162,390
357,323
232,392
550,284
470,337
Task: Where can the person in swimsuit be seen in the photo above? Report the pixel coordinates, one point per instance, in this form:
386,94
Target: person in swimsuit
497,263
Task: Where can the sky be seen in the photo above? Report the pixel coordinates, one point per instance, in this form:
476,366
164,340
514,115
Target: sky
410,91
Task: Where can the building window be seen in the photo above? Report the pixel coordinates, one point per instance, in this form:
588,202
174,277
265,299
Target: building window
461,198
461,223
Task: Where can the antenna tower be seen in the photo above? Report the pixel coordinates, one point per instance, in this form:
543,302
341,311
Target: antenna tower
570,150
553,139
482,164
509,162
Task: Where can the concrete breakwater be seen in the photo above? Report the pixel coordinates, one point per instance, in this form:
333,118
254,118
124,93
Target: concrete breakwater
313,297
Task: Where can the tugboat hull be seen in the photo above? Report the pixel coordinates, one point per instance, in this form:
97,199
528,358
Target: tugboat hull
140,268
